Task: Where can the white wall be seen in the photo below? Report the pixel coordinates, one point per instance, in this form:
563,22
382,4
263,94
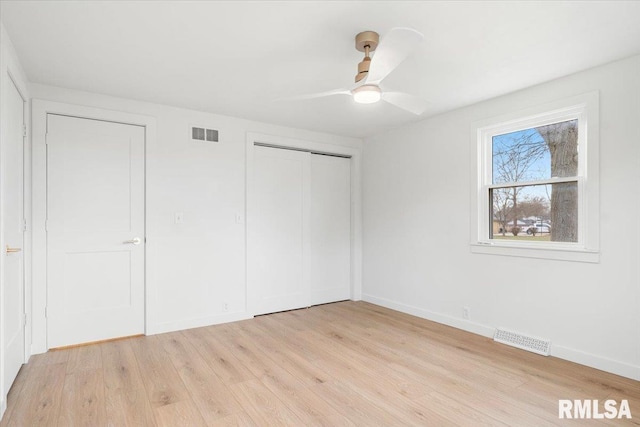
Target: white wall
416,229
10,70
416,204
197,266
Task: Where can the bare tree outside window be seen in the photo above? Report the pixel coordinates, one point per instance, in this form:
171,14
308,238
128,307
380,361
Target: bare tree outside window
562,141
527,156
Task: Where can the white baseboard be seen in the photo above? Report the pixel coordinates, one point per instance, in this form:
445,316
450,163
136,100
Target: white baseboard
572,355
161,328
3,406
466,325
598,362
37,349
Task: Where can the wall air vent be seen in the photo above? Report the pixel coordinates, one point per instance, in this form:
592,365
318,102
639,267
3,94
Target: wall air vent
524,342
203,134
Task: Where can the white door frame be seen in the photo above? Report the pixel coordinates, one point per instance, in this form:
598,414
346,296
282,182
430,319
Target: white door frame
25,195
7,78
40,110
356,195
26,250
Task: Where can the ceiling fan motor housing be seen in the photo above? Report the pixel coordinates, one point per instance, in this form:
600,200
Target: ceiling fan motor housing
366,42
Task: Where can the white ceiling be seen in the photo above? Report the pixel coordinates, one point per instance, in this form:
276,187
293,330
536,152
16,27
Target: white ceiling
236,58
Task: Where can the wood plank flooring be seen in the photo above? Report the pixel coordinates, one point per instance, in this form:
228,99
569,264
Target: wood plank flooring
341,364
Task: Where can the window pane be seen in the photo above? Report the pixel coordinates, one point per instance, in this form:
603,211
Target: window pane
535,212
536,153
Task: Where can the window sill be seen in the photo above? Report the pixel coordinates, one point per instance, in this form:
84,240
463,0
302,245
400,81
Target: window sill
561,253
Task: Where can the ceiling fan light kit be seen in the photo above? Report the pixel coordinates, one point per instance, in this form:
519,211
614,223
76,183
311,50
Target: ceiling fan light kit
367,94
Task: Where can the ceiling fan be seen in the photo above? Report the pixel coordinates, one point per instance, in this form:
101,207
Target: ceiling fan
396,46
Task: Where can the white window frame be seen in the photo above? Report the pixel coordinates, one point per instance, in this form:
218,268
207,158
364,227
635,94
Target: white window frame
586,249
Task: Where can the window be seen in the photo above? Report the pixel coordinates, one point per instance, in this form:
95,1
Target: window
536,184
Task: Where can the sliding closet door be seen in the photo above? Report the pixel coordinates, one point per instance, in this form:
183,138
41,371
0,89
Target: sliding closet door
278,231
330,218
298,230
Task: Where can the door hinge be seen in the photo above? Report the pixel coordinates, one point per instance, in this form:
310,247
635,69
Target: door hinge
24,224
46,225
24,130
25,319
46,312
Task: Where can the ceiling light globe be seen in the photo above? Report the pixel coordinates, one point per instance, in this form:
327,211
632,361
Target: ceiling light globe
367,94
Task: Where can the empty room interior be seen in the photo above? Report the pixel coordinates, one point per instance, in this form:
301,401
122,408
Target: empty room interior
338,213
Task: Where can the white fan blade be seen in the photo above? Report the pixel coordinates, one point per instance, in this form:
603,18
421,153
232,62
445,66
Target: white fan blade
396,46
316,95
405,101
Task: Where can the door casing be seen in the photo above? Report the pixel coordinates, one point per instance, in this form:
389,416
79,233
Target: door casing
40,110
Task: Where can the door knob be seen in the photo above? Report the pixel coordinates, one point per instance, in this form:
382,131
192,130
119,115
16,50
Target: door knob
12,250
134,241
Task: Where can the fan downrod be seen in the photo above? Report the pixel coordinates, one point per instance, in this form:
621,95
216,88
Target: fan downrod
366,42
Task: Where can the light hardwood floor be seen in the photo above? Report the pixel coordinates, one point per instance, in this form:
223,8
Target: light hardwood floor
342,364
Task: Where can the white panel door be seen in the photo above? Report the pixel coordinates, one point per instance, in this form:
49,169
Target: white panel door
330,218
95,230
278,231
12,168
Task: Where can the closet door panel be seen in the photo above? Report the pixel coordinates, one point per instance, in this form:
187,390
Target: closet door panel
278,231
330,224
